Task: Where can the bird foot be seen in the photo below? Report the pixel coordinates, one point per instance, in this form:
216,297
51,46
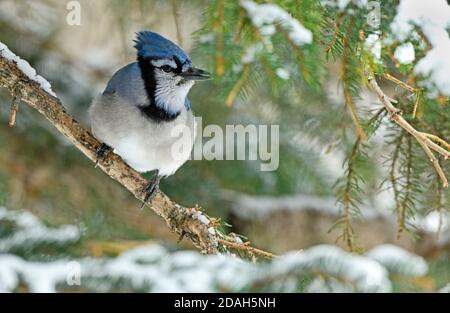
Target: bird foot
102,152
151,189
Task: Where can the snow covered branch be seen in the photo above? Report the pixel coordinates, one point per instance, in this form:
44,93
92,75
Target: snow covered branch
152,268
25,85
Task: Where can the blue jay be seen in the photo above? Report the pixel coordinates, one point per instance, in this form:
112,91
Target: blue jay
143,103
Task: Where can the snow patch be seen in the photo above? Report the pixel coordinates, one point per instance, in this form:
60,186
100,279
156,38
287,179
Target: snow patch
266,16
342,4
373,44
283,73
248,207
398,260
238,240
26,68
434,222
251,53
202,218
366,274
445,289
433,17
152,268
405,53
206,38
30,232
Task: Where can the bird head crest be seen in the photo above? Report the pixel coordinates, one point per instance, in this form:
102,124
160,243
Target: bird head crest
152,45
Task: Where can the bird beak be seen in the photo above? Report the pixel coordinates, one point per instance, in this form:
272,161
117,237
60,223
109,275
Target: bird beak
196,74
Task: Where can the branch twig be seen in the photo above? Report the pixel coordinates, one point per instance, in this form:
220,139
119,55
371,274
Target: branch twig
348,97
181,220
416,91
439,140
13,111
421,138
246,248
399,82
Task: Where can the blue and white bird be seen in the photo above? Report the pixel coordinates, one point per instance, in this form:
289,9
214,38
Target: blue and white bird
144,113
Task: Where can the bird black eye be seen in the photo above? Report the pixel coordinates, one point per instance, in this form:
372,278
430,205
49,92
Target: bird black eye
166,68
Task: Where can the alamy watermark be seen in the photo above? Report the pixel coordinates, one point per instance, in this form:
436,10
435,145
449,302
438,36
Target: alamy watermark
374,15
73,277
73,17
231,142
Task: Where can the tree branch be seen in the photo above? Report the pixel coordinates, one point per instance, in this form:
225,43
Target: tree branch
247,249
422,138
186,222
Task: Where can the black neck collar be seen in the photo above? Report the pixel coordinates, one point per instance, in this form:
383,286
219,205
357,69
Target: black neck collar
152,110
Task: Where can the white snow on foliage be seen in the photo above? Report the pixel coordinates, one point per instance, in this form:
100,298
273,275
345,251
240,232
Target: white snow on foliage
445,289
321,285
373,44
267,15
366,274
342,4
405,53
433,18
248,207
152,268
26,68
398,260
38,277
30,232
205,38
251,53
283,73
435,222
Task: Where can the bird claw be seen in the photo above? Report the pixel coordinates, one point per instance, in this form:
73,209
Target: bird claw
151,189
102,152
